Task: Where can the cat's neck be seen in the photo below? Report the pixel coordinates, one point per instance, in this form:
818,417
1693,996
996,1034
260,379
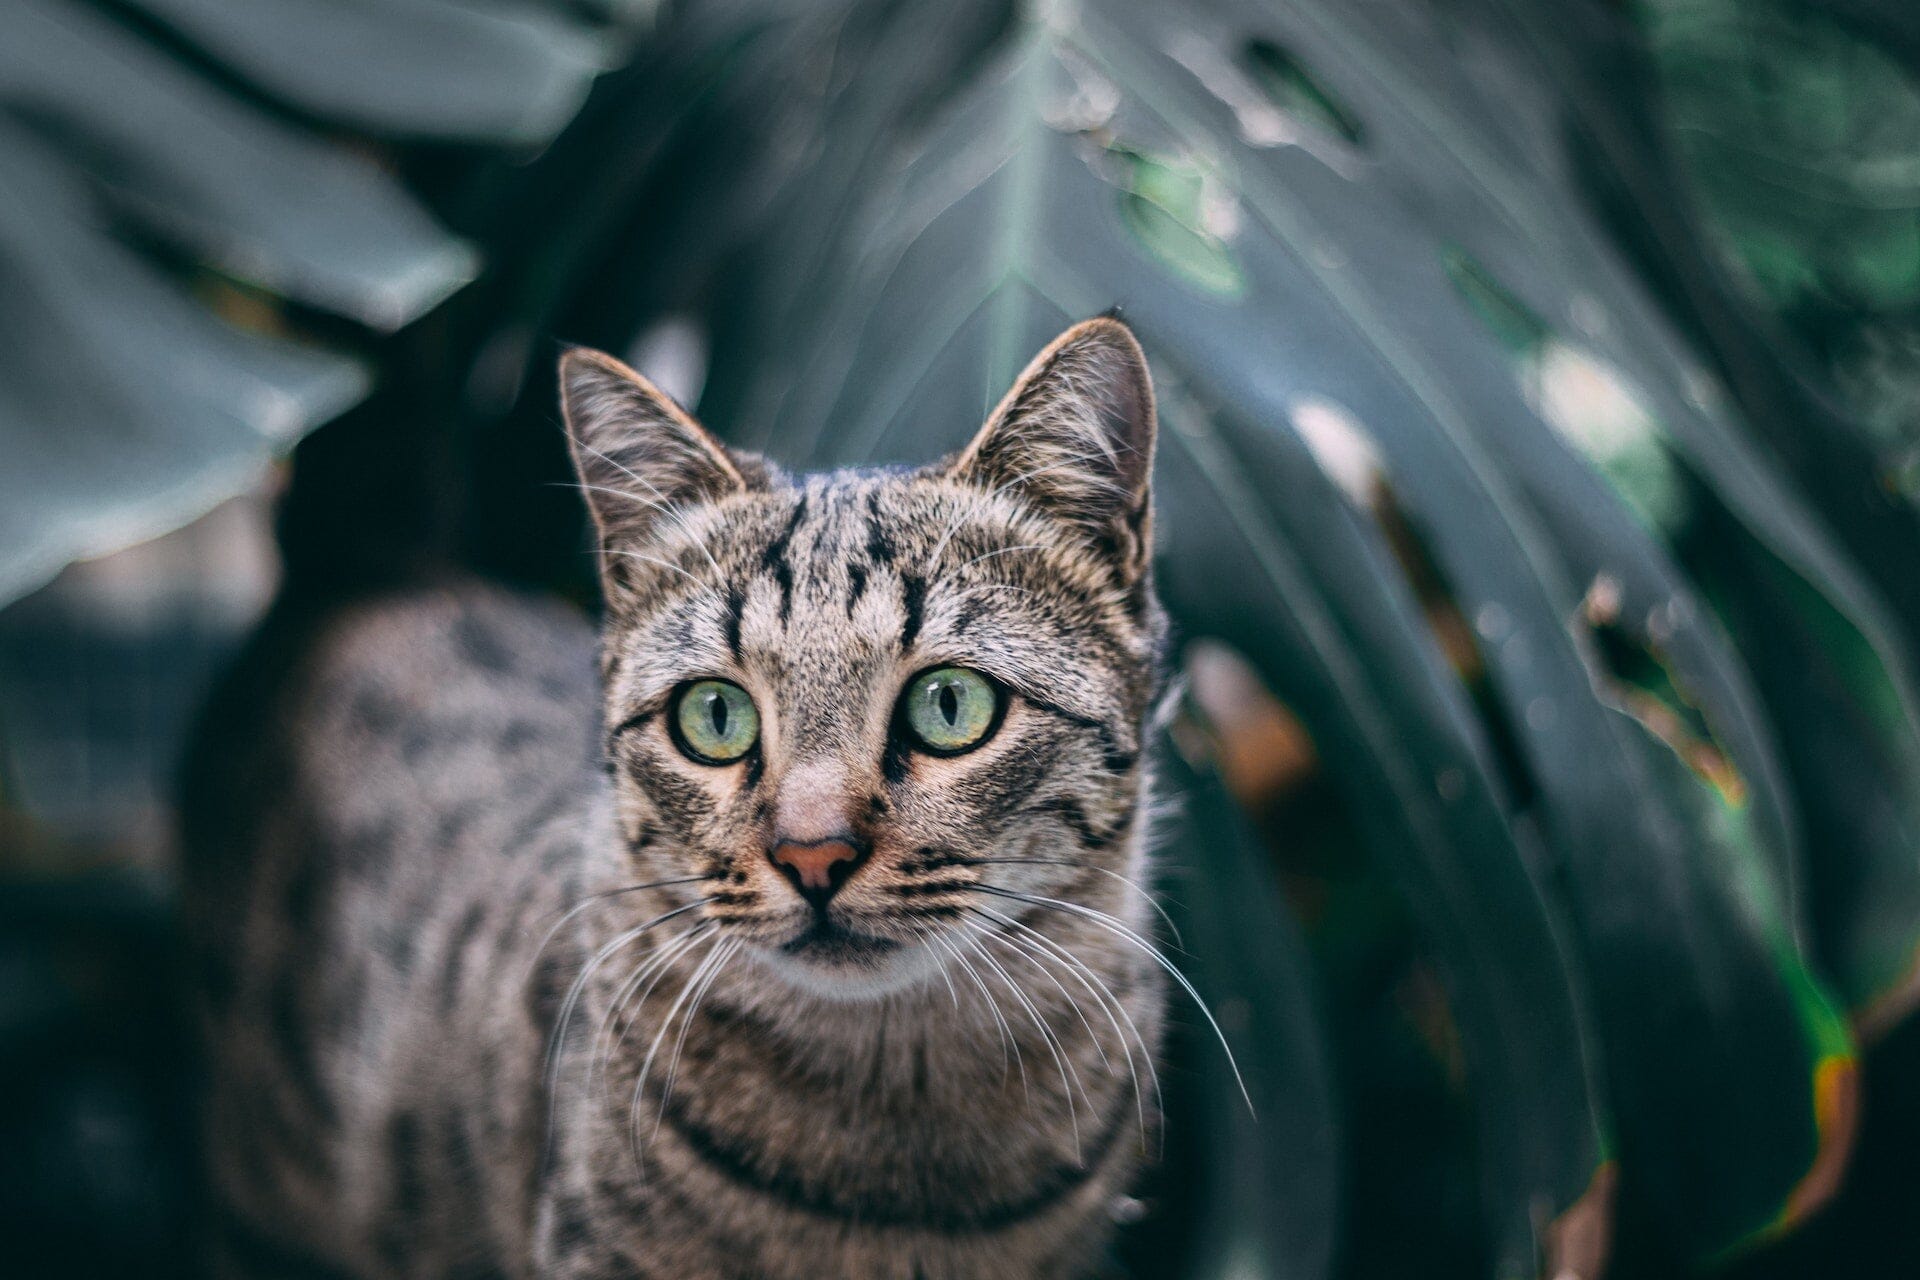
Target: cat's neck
1026,1003
998,1013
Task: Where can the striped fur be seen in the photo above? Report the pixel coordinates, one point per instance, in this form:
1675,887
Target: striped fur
449,1032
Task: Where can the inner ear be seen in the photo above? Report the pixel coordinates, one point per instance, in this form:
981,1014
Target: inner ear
1075,435
641,458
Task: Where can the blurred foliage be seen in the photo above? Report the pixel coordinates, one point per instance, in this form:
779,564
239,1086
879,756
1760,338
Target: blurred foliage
197,251
1574,613
1800,131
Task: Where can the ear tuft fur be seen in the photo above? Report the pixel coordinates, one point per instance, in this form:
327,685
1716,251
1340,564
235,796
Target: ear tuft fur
1075,436
639,455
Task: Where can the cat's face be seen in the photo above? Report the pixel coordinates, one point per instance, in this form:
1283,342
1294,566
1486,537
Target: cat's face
853,704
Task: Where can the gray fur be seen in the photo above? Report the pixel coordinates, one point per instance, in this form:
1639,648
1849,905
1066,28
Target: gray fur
405,858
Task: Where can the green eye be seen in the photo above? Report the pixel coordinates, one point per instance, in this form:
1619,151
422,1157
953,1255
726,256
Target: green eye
714,722
951,709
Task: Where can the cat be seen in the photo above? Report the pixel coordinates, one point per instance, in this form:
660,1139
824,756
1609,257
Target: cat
793,929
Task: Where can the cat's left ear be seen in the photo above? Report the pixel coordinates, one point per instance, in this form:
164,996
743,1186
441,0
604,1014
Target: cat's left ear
1075,437
639,455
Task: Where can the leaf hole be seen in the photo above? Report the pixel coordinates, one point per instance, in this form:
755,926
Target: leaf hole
1636,677
1513,324
1459,642
1288,85
1348,454
1181,216
1588,401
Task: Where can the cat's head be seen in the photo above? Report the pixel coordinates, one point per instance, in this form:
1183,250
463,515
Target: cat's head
862,705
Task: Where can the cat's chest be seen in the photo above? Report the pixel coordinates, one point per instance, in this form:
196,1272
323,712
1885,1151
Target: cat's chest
771,1189
940,1147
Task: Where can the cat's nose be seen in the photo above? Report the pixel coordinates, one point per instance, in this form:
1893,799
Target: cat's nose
817,868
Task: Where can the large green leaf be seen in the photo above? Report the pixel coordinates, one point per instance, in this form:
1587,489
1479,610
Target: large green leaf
187,213
1796,126
1241,1194
109,434
167,152
1582,605
1337,247
1398,735
1796,133
414,69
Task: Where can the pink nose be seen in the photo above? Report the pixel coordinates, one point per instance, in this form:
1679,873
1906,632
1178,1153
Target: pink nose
817,868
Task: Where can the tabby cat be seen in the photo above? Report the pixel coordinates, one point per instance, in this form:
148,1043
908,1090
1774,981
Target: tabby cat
819,952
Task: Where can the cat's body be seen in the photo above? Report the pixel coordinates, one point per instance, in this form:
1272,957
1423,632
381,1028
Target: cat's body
887,1016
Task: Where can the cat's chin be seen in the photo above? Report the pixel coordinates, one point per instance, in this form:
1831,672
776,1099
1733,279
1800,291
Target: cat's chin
835,963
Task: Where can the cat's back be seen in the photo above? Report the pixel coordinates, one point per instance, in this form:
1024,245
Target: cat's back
387,724
466,693
378,794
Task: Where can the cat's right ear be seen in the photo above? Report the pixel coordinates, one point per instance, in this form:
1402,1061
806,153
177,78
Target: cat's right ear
639,455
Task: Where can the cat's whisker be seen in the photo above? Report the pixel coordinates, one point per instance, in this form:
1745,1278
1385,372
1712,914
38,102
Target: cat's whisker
599,958
725,953
988,555
1117,1006
945,977
934,939
668,565
1038,961
1009,1044
1040,899
1153,953
558,1037
658,502
600,896
654,965
675,514
663,966
1006,1057
653,1050
1179,943
1046,960
993,586
1047,1038
1110,1004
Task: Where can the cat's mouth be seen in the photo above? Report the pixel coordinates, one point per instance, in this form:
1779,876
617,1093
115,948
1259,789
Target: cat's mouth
828,943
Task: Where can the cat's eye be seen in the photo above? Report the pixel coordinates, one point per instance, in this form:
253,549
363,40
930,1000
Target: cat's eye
714,721
951,709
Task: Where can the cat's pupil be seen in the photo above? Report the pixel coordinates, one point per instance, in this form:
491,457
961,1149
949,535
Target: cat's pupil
949,704
717,712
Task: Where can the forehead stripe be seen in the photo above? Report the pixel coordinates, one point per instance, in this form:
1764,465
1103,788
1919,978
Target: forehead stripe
913,599
775,559
880,548
736,605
